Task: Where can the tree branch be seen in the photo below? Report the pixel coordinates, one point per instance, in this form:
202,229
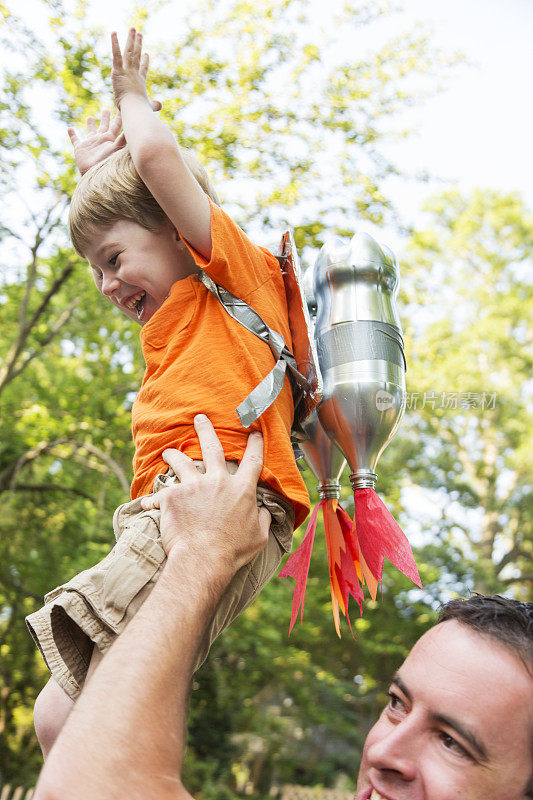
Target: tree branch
113,465
524,576
514,553
30,280
50,487
8,478
54,330
48,296
32,269
20,589
9,370
9,474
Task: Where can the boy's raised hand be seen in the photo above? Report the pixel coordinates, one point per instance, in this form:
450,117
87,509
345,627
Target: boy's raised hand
130,69
102,142
98,144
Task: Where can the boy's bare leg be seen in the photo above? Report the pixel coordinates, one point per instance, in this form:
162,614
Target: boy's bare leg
53,706
51,710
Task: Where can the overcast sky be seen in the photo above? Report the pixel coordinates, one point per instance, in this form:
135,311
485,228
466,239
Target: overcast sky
477,132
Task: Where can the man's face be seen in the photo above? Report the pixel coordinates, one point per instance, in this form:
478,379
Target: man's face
458,725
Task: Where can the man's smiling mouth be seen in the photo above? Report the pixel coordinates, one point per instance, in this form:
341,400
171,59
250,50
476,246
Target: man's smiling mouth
374,795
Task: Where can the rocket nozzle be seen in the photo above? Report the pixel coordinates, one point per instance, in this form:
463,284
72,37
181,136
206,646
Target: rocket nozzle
363,479
329,490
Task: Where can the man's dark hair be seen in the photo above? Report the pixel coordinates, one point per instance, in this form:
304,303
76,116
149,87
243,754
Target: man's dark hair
510,622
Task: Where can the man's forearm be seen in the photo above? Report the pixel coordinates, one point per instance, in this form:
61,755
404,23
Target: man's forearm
144,707
125,736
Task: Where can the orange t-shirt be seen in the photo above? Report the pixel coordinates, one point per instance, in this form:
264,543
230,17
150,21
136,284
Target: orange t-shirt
200,360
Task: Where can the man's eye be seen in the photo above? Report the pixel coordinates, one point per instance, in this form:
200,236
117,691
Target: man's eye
97,274
395,702
451,744
113,259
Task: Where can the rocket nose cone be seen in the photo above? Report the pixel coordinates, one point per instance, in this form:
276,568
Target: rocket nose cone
333,251
373,263
364,250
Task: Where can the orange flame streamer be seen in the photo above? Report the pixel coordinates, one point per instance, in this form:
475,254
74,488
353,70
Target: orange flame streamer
343,562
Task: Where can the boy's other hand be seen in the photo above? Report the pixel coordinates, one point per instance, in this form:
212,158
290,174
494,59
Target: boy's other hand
214,514
101,143
130,69
98,144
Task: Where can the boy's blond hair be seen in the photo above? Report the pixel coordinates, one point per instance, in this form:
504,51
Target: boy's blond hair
112,190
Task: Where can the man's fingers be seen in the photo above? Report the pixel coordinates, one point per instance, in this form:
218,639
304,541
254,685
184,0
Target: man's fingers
151,501
120,141
104,121
91,125
212,451
115,49
180,463
252,460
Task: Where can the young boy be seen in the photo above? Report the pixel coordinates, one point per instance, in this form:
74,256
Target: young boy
147,218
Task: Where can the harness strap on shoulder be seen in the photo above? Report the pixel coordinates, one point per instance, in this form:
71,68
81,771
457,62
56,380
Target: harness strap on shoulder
269,388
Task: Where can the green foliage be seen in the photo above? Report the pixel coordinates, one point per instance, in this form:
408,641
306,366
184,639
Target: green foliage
471,268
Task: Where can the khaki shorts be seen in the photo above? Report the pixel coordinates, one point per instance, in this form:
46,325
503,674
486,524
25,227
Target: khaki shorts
96,605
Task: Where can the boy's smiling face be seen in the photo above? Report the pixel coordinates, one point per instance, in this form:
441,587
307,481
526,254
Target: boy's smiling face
135,268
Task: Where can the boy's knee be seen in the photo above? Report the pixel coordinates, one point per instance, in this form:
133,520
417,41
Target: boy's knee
52,707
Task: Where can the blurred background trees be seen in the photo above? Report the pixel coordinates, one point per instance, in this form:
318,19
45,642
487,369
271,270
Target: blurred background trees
292,128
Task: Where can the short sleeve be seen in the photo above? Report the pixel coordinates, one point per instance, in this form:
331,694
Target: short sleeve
236,263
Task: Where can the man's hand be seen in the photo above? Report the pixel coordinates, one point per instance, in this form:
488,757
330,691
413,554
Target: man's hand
214,514
129,72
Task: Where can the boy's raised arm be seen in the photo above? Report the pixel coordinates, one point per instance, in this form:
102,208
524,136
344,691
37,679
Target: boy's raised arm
154,150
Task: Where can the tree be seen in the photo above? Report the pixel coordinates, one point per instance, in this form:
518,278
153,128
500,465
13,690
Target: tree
471,359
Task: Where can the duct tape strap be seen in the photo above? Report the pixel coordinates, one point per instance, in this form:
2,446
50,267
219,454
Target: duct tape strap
269,388
360,341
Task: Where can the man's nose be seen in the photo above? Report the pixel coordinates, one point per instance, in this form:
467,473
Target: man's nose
397,750
110,284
